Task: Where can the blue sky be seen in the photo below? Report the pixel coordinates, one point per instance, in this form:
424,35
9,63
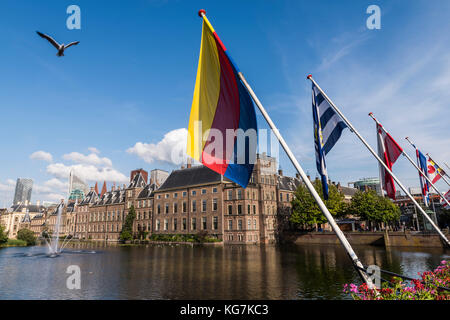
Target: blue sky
121,98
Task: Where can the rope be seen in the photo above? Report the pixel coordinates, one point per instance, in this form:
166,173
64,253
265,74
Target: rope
398,275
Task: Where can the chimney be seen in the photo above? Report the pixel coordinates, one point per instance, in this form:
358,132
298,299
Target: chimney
297,175
113,188
189,163
92,189
280,172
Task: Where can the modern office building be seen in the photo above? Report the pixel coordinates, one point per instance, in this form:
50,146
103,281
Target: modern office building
23,191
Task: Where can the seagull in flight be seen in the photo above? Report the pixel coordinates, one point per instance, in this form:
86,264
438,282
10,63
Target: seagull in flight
59,47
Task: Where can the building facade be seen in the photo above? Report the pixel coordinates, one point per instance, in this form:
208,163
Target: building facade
22,194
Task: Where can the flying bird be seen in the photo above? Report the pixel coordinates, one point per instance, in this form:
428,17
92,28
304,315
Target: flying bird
59,47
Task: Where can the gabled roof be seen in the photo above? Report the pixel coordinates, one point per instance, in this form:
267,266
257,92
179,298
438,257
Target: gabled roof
137,182
90,198
30,208
189,177
148,191
288,183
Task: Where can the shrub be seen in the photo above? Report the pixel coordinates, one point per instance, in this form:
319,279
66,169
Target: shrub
425,288
3,235
27,235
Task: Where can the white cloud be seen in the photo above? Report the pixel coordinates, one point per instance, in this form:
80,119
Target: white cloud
93,150
86,172
90,159
41,155
171,149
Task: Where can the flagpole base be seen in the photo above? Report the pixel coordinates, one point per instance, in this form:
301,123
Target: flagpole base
201,11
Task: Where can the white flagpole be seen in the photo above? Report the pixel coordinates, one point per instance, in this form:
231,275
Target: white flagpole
444,238
412,162
442,176
356,262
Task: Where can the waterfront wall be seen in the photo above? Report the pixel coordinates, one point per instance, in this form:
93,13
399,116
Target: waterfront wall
393,239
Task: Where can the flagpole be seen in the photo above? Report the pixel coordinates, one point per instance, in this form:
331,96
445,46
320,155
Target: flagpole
356,262
442,176
446,241
412,162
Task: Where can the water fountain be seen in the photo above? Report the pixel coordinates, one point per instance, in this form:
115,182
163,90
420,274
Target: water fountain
53,247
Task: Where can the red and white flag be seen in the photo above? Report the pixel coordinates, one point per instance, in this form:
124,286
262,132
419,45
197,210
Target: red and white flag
388,151
443,203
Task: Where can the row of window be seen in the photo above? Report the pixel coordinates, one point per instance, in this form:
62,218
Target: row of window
250,225
203,224
184,193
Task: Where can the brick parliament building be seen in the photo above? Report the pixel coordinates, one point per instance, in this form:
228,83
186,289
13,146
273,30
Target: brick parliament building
188,201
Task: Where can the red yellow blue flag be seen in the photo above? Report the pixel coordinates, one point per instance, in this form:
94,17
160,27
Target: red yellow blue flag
222,130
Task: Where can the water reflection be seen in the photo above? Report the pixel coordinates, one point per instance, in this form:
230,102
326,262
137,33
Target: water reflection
198,272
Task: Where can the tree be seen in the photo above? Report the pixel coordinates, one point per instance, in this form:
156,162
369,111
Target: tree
27,235
306,212
127,228
3,235
374,208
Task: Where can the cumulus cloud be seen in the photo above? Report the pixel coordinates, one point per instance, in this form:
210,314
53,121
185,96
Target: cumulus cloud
94,150
90,159
41,155
87,172
171,149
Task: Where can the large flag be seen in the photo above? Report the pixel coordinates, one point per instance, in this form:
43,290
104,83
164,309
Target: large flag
328,127
434,171
221,105
424,185
388,151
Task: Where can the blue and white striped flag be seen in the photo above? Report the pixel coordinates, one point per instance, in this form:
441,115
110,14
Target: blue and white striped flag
328,127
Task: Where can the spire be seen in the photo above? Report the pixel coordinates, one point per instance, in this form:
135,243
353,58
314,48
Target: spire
103,189
96,188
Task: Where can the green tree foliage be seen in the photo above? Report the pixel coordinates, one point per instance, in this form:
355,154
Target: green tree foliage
27,235
3,235
306,212
372,207
127,229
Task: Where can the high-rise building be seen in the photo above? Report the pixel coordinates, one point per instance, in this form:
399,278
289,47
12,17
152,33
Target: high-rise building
77,187
23,191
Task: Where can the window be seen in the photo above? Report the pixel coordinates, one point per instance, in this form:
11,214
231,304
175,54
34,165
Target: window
194,206
203,191
239,224
159,208
204,226
175,207
214,190
194,192
239,194
215,223
175,195
287,196
254,209
248,209
214,205
249,224
167,195
230,224
239,209
184,193
254,224
159,196
167,208
281,196
184,207
230,209
203,205
175,224
157,225
166,224
184,223
230,194
194,224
